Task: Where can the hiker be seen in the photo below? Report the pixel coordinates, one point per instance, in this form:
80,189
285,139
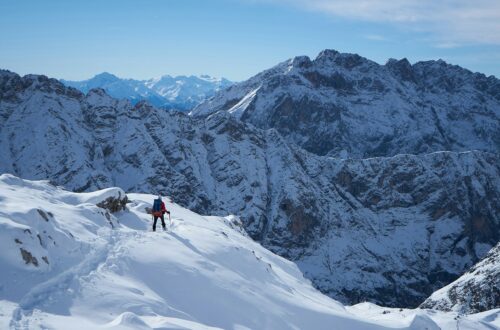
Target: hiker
159,211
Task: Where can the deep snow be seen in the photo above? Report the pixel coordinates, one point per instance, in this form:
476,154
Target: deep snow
97,270
423,219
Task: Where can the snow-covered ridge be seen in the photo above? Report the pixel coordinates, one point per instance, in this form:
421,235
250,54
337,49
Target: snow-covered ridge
180,92
476,291
423,219
96,270
344,105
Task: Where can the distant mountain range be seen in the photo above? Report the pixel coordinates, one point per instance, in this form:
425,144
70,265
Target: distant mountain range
389,229
180,92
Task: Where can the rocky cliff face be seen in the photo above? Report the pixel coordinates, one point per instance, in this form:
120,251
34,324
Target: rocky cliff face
344,105
389,229
478,290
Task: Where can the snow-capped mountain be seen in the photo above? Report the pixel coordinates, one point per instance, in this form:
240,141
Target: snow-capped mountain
476,291
68,261
180,92
390,230
348,106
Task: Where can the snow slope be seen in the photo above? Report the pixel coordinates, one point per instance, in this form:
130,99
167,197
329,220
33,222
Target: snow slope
98,270
180,92
476,291
423,219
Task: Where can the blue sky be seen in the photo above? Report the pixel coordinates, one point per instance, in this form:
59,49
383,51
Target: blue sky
238,38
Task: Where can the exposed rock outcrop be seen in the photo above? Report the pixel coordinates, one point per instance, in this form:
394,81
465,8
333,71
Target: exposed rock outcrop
114,204
389,230
478,290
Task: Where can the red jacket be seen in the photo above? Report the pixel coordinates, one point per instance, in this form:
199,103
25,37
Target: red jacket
162,211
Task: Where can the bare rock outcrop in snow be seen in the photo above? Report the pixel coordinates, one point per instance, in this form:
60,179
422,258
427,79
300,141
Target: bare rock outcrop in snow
389,230
201,274
114,204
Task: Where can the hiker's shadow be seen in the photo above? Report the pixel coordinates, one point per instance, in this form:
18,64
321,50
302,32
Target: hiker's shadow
187,243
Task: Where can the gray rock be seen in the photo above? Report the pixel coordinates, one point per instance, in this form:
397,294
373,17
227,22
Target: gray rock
113,204
478,290
28,257
388,229
344,105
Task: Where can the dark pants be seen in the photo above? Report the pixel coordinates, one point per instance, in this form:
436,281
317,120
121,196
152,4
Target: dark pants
162,221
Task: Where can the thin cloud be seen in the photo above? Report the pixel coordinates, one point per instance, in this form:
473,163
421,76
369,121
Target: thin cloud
450,22
375,37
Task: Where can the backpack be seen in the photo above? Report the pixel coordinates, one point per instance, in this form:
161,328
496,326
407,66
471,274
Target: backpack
156,206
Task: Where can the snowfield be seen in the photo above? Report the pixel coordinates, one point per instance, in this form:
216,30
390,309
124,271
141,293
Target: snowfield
423,220
67,263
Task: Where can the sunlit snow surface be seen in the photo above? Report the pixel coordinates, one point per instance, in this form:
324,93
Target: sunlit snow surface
203,273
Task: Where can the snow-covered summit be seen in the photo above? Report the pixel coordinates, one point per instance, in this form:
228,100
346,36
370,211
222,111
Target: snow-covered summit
180,92
68,263
423,219
344,104
102,79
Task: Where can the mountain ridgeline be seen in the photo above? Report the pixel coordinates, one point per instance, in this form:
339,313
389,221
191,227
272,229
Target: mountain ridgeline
390,229
91,266
476,291
180,93
344,105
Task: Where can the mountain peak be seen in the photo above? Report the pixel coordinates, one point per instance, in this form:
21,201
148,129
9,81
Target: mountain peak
404,61
301,61
179,92
105,77
7,73
344,90
402,68
330,57
312,209
327,54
